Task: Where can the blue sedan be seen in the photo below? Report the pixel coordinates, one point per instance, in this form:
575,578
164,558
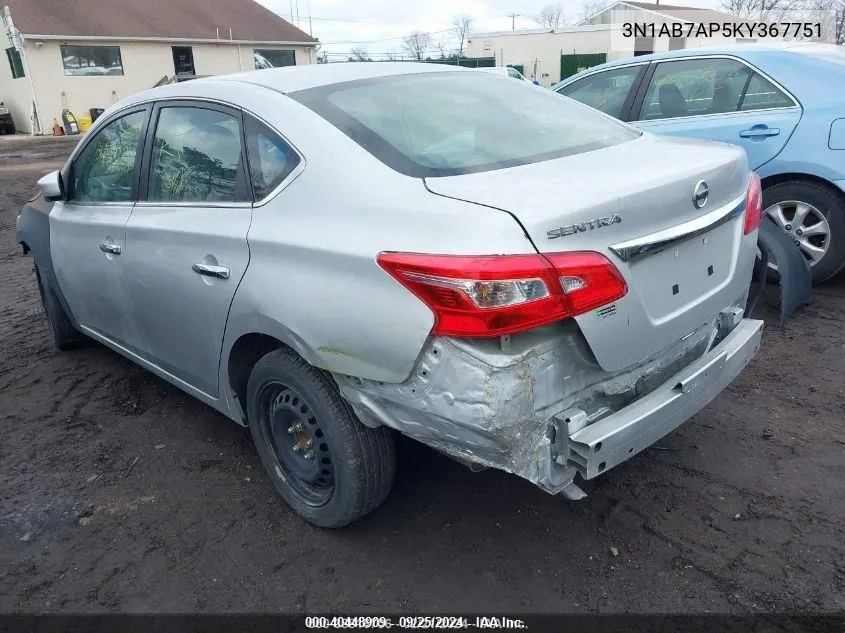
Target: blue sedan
785,105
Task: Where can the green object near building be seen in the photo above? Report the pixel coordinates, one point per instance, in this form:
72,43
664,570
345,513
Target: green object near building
575,63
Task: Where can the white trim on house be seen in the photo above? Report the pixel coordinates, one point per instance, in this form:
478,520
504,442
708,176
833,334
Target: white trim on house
129,38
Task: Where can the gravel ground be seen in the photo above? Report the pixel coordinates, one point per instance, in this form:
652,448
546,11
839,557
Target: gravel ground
120,493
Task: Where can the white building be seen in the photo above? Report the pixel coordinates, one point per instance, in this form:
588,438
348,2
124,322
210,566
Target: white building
91,53
551,55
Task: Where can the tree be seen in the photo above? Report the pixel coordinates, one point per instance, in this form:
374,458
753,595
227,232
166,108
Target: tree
442,46
359,54
417,44
551,16
831,15
591,7
462,26
763,10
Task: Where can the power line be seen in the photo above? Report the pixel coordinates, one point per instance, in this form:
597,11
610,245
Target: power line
403,22
387,39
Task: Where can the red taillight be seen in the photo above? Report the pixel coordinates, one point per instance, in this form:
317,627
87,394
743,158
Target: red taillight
494,295
753,204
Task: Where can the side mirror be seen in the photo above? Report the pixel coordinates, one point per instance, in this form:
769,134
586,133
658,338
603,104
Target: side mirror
52,187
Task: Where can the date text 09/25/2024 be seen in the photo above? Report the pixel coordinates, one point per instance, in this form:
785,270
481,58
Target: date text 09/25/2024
414,622
745,30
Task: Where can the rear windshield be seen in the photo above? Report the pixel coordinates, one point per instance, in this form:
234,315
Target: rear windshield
451,123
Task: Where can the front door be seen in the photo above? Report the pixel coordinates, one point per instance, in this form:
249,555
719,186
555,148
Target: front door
719,99
88,231
183,61
187,238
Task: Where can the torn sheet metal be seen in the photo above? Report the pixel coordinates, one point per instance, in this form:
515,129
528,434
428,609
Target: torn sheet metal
795,276
493,405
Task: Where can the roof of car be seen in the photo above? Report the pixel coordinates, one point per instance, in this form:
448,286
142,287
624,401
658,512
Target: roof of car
294,78
738,50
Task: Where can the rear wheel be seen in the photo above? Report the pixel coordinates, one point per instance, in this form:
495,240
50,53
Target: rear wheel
813,215
65,336
328,467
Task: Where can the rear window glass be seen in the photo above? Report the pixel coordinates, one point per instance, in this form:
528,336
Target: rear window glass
446,124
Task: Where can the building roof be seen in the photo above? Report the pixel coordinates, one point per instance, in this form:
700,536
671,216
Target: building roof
684,13
246,20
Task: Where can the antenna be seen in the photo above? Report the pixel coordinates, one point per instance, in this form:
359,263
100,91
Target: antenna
297,12
310,27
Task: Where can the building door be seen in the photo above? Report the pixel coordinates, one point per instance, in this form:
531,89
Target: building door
183,60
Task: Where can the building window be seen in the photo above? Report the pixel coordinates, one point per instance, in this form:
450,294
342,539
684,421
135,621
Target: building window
677,43
273,59
92,60
15,63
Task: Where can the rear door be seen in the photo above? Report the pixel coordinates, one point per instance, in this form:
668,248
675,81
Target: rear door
88,231
186,247
720,99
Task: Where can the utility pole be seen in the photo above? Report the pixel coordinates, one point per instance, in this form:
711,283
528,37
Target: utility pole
512,16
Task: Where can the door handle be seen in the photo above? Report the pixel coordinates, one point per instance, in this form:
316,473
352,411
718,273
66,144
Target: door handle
114,249
220,272
761,131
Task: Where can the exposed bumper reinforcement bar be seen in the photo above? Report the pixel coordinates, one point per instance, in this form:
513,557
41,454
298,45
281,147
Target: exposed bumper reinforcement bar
597,448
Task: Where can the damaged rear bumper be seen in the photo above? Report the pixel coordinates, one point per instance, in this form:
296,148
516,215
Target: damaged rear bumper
541,407
599,447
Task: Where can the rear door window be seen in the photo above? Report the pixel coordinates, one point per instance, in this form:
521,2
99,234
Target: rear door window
694,87
197,156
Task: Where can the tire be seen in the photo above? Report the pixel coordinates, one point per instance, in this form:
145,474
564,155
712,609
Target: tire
355,464
65,336
824,200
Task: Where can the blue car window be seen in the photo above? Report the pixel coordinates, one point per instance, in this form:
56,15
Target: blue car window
694,87
762,94
604,91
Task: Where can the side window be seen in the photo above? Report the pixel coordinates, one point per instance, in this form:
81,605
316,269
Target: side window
694,87
271,160
196,156
762,94
104,170
605,91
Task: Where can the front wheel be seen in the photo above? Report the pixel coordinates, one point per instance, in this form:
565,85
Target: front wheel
813,215
328,467
65,336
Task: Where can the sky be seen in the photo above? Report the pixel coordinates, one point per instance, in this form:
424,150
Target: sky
379,25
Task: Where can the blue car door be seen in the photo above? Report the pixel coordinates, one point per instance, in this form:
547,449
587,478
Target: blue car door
720,99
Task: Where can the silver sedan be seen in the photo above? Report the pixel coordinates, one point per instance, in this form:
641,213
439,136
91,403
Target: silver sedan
332,254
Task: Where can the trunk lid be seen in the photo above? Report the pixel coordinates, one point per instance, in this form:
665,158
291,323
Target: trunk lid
633,202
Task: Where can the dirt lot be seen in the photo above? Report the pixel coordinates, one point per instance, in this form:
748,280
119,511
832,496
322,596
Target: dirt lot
120,493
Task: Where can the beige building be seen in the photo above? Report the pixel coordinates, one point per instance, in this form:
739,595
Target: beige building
109,49
551,55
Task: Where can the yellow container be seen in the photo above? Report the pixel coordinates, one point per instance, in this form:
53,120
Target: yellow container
84,122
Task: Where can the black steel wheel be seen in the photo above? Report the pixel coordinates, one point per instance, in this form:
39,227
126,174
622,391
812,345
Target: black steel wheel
290,427
328,466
